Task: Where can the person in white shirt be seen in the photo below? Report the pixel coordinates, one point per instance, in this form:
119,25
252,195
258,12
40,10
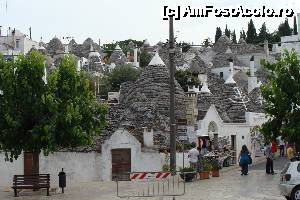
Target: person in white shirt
281,147
193,156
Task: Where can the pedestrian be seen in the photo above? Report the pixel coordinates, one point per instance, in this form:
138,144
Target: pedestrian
281,147
269,157
193,156
244,160
290,152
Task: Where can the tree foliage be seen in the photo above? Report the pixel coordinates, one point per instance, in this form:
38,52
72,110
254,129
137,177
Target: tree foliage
233,37
282,99
35,116
185,78
243,34
112,80
295,29
227,32
218,34
263,34
284,28
145,58
251,33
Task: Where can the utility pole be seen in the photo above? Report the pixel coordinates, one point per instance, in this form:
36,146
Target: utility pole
172,98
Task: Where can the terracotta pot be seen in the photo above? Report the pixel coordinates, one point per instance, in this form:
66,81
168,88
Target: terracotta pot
215,173
204,175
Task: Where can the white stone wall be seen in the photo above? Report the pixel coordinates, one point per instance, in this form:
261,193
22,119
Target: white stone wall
79,167
8,170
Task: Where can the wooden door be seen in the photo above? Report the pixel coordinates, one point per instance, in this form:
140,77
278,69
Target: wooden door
121,164
28,160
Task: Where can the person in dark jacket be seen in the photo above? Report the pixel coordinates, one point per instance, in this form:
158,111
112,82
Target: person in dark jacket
244,160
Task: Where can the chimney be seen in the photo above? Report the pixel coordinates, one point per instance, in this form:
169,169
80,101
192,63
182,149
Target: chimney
203,79
252,66
135,52
148,137
298,18
13,33
266,47
252,79
230,79
30,32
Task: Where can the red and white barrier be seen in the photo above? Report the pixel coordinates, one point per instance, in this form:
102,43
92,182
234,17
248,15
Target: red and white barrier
149,175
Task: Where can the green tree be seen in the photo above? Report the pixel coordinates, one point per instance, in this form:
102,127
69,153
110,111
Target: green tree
282,99
185,78
218,34
36,117
233,37
263,34
227,32
295,32
284,29
251,33
145,58
207,42
122,74
243,34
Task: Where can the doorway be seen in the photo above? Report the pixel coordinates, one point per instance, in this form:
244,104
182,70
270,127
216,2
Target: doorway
121,164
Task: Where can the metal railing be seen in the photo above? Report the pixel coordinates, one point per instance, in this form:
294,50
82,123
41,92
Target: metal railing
151,184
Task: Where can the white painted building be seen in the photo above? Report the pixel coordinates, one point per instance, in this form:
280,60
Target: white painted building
94,166
289,42
16,43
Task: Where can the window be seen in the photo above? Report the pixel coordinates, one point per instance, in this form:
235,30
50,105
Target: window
221,74
298,168
17,44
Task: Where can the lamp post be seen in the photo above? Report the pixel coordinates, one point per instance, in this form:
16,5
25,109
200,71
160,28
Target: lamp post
172,98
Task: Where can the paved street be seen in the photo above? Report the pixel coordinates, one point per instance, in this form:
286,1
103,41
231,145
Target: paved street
231,185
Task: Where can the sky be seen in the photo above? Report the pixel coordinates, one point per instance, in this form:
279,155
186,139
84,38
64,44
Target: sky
114,20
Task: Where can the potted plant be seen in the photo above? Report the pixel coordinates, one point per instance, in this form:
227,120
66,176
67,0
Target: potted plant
187,173
215,168
206,166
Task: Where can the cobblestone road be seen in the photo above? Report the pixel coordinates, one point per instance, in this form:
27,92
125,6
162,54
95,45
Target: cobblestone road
230,186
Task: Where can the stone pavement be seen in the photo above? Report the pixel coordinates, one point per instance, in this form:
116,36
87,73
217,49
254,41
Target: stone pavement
230,186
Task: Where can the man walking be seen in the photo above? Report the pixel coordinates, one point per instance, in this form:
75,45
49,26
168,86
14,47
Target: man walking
281,147
269,157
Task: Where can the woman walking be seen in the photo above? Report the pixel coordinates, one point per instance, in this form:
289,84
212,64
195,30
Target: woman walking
244,160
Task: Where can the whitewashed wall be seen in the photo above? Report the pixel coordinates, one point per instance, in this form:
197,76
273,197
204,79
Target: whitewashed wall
8,170
79,167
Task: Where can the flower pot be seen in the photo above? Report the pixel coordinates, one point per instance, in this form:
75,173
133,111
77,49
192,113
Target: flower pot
187,176
215,173
204,175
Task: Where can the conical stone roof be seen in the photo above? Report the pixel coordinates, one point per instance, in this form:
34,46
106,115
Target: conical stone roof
147,100
198,66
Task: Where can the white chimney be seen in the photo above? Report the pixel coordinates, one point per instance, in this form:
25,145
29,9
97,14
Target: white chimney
252,79
203,79
135,52
45,73
266,47
252,66
148,138
230,79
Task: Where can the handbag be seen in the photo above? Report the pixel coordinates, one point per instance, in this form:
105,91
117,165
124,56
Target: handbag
250,159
